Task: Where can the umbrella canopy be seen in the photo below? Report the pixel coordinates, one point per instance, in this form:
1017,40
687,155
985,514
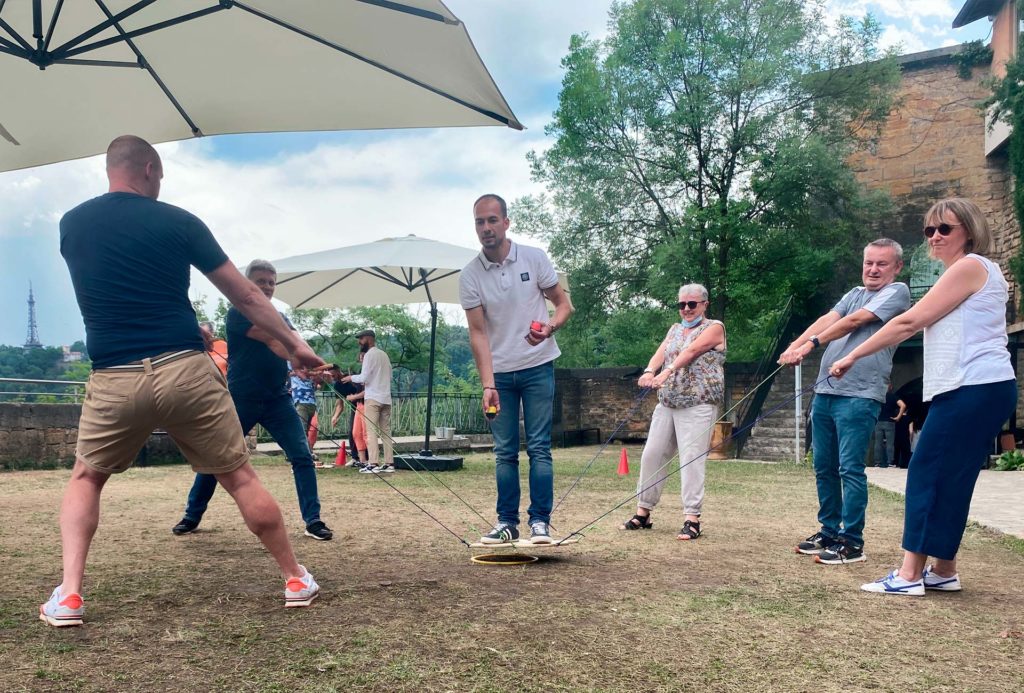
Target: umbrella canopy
409,269
382,272
74,75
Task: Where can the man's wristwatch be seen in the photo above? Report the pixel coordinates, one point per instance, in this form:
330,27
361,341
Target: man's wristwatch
648,370
813,339
670,368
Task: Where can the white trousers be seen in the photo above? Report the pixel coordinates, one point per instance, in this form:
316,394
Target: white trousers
688,432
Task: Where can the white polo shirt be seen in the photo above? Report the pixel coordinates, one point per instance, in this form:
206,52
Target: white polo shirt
511,295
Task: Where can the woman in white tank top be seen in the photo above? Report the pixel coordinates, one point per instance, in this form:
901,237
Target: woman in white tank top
972,387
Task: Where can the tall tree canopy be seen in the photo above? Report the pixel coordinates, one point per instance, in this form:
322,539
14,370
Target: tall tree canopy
704,141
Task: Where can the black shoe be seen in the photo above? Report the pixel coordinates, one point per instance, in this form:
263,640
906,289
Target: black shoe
841,552
186,526
815,544
319,531
503,533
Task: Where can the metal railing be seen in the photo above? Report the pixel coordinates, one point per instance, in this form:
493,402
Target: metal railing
41,391
748,413
408,415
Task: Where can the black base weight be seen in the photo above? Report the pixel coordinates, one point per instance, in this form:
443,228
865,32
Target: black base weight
433,463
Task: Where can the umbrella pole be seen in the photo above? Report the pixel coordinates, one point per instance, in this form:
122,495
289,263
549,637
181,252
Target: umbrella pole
425,452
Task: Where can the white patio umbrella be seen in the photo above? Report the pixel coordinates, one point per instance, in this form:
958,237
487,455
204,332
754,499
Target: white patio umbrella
76,74
409,269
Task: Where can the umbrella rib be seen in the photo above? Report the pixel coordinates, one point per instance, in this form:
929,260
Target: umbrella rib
112,20
416,11
424,281
96,63
15,35
381,274
326,288
61,52
380,66
53,24
11,48
152,73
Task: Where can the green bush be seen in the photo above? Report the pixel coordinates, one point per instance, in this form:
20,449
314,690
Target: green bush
1010,461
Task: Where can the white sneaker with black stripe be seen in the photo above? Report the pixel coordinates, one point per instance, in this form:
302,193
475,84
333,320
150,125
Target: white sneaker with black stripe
539,533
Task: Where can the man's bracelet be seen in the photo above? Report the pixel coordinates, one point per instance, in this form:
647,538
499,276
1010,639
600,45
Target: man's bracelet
491,388
813,339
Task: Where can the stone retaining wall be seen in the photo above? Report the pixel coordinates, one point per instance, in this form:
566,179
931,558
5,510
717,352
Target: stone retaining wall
43,436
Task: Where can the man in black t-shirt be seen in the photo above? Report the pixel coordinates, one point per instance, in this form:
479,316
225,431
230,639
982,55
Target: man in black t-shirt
130,258
258,382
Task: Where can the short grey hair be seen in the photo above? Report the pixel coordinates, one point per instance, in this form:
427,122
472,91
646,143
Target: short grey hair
887,243
259,266
694,289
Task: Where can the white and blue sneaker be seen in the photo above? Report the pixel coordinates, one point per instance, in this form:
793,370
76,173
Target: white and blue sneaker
60,611
539,533
503,533
894,584
939,583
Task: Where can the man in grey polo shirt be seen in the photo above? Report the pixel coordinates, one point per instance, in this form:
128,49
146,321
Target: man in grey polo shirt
502,291
844,411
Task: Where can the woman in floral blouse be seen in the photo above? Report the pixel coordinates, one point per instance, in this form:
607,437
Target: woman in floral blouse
691,386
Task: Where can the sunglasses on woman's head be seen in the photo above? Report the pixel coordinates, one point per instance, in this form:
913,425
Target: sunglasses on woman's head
683,305
943,229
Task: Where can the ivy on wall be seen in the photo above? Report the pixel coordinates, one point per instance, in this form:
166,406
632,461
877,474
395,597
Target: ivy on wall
971,54
1007,103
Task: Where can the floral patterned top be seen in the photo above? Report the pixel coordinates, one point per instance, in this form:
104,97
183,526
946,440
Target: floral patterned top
703,381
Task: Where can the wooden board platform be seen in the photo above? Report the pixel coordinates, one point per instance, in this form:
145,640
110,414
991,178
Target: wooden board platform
527,544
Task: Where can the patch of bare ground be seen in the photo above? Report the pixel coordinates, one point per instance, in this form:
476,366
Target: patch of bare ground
403,608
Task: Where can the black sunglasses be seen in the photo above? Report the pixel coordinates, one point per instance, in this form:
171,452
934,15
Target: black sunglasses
683,305
943,229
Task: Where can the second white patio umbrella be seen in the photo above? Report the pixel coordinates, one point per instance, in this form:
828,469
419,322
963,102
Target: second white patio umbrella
409,269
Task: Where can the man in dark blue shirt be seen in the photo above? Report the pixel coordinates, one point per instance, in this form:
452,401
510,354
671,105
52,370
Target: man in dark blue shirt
130,257
257,380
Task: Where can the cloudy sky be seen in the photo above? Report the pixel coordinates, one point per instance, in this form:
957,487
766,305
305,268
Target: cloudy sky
274,196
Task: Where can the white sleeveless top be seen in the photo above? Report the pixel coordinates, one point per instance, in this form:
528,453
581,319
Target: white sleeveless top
968,345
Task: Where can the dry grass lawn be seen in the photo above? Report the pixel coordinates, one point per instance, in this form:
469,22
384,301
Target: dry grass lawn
403,608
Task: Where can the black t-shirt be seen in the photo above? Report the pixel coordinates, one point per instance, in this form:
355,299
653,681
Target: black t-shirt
254,371
891,407
129,258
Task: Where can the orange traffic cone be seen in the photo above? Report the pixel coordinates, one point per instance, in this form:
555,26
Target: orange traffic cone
339,461
623,463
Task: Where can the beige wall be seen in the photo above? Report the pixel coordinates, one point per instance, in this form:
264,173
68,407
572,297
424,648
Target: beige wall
933,146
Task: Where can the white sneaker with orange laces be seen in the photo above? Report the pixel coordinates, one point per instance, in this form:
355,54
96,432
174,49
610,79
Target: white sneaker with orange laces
62,611
301,591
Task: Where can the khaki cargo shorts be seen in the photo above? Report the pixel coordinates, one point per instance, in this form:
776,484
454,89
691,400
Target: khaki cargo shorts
183,393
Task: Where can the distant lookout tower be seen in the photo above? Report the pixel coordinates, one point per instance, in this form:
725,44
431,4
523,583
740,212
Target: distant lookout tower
32,341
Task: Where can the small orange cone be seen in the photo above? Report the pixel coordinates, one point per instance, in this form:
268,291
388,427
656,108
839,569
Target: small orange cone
623,463
339,461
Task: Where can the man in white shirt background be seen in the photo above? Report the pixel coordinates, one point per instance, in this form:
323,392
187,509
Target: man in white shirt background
375,378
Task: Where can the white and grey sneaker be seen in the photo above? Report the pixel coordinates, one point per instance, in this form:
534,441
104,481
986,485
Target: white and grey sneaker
894,584
539,533
369,469
386,469
939,583
503,533
301,591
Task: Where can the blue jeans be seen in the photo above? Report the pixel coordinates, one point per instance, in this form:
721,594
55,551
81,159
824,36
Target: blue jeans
279,417
535,389
885,443
842,428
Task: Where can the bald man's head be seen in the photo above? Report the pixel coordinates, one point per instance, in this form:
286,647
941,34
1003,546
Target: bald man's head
134,166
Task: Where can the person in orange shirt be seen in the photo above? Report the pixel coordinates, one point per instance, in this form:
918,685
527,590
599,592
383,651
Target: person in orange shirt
216,348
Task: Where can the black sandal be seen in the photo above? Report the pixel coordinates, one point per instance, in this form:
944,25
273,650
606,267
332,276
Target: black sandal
691,530
638,522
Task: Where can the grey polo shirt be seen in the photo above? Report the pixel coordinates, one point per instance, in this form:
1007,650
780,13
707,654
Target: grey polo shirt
511,293
869,377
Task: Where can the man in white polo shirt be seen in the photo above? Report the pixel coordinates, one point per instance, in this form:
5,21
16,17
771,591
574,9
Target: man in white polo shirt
502,291
375,378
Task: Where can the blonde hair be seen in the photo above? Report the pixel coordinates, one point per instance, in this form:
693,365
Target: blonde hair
979,238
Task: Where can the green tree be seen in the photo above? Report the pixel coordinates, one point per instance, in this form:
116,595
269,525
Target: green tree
705,140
